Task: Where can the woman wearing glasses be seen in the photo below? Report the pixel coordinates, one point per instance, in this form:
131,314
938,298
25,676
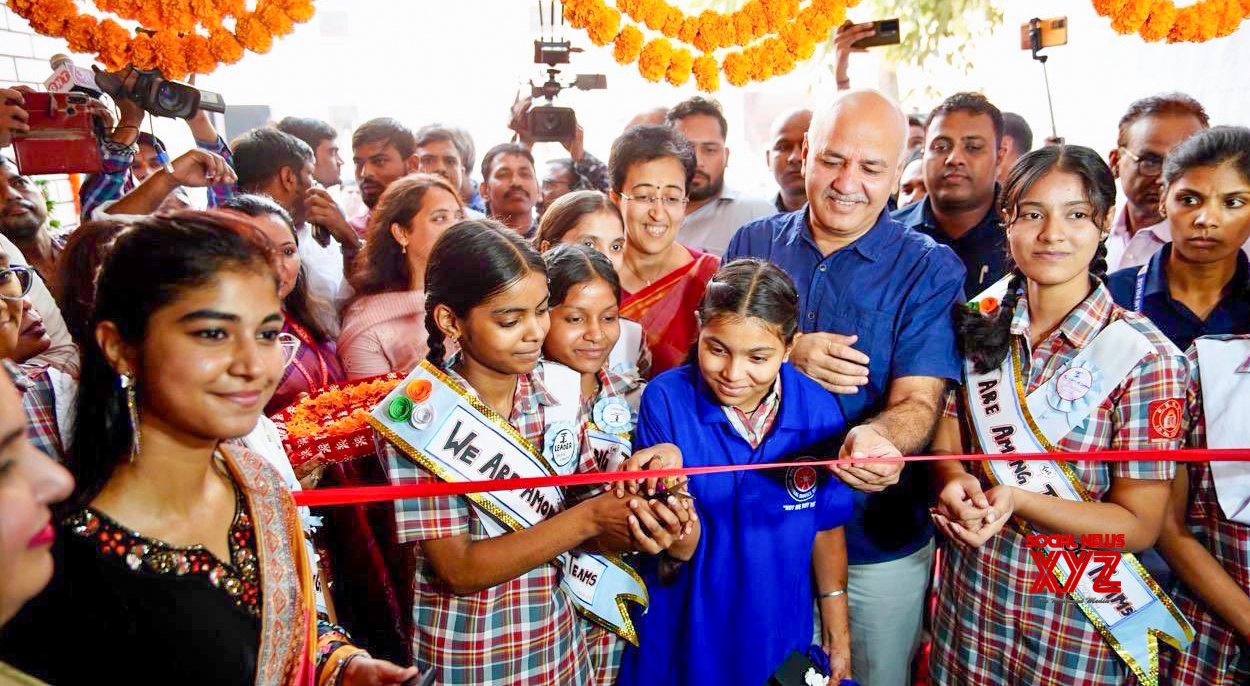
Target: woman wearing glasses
663,281
315,362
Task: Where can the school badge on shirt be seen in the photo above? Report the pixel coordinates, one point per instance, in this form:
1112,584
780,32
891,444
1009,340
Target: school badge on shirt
801,483
1165,419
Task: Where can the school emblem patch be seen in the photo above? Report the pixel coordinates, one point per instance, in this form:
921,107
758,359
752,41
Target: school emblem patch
801,483
1165,419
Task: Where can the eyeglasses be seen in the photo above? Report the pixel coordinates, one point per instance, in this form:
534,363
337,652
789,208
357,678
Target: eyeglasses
1148,164
290,347
15,282
668,203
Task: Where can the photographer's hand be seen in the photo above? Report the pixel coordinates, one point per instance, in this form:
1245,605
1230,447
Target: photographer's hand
196,168
520,119
847,34
131,118
201,168
13,116
577,146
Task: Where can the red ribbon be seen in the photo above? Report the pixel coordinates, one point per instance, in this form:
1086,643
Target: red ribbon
357,495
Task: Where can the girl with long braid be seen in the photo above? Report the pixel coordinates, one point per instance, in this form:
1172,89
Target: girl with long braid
499,577
1057,367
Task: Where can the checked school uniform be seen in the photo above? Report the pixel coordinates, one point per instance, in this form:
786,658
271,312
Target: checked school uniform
988,628
522,631
744,601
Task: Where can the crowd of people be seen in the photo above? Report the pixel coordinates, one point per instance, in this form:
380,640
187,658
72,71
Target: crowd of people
930,285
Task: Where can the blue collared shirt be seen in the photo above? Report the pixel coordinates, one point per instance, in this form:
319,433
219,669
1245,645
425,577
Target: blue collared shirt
983,249
1230,316
895,289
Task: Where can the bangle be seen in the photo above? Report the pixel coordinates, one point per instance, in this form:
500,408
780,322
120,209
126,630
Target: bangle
340,670
832,594
844,84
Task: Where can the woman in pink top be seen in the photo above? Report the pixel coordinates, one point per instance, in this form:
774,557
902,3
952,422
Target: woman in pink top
384,326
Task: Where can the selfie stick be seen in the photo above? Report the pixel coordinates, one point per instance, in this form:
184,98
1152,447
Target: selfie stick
1035,44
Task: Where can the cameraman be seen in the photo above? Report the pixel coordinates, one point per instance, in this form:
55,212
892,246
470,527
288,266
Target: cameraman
579,171
26,221
124,170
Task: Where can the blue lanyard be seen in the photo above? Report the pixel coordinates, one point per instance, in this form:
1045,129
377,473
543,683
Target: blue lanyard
1139,290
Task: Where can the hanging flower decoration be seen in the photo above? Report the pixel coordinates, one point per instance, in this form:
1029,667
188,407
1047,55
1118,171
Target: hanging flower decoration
764,38
1156,20
179,37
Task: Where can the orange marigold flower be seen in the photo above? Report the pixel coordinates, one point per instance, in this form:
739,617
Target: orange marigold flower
142,51
112,40
232,8
689,29
80,33
1159,22
654,58
1106,7
988,305
627,45
743,33
50,17
737,69
200,58
706,73
1229,19
1131,15
276,21
175,17
225,46
207,12
299,10
252,35
679,67
171,56
605,26
673,22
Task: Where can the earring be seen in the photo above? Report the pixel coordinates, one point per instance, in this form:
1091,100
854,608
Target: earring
403,249
128,385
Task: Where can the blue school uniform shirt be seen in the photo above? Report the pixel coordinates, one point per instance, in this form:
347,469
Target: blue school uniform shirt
1230,316
894,288
745,599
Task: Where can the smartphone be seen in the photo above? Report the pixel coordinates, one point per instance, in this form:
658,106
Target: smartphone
887,34
1052,32
63,138
425,679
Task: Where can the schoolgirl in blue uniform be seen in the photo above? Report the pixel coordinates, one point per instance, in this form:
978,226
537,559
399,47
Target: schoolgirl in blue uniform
730,601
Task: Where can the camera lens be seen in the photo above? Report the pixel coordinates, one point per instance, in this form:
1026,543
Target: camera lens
168,96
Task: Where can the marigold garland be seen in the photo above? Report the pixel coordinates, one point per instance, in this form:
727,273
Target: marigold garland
774,35
174,46
1155,20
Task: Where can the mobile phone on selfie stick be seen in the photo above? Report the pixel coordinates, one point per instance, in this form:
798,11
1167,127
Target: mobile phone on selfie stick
1036,34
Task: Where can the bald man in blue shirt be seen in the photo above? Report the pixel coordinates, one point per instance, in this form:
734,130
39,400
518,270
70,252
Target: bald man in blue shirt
875,314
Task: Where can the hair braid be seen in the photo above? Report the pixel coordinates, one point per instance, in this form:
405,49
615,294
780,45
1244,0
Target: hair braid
435,337
987,340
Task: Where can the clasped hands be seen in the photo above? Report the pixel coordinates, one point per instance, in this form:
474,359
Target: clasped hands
970,516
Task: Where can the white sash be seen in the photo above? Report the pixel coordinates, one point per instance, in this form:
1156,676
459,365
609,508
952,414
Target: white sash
1132,620
624,354
1226,411
451,433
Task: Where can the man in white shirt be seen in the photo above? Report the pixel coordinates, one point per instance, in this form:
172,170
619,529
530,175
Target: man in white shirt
1148,132
715,212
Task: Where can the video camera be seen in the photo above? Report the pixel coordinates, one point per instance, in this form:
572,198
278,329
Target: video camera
549,123
154,93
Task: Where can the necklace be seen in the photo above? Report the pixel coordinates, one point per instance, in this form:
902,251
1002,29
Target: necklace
645,281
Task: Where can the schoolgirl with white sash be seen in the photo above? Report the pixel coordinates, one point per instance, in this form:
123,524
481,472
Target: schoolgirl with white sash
1055,366
1206,538
496,590
580,350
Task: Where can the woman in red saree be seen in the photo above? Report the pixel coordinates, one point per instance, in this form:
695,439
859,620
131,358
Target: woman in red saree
663,281
173,540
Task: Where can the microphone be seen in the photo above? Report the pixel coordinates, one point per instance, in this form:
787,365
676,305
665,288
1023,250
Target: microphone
68,77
